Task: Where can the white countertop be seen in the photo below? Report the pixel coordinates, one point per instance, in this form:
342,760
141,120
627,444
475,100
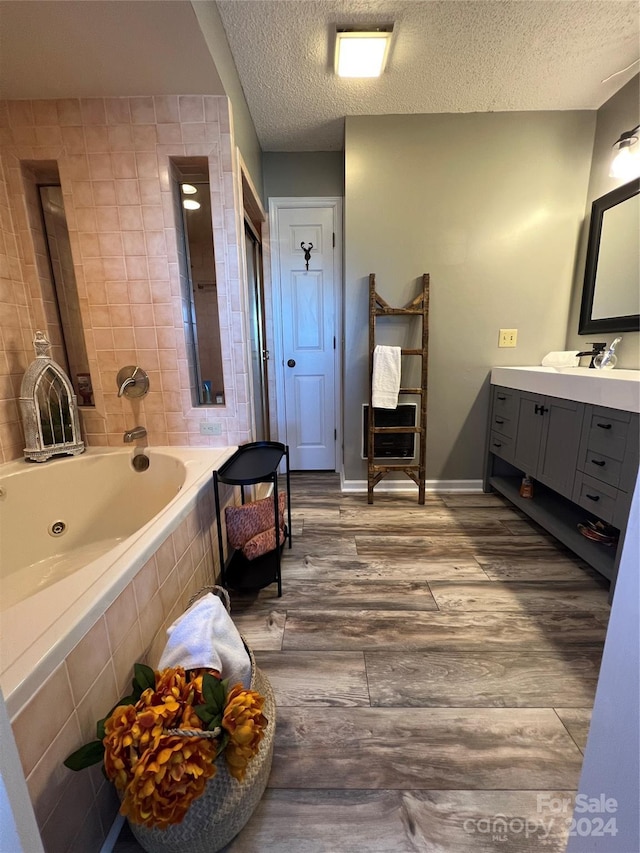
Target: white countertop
614,389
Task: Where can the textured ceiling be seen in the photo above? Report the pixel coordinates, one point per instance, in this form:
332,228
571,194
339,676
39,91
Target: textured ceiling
453,56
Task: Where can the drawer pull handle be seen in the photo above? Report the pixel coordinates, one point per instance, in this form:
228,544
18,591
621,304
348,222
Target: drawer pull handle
497,444
502,397
593,497
499,421
604,426
600,462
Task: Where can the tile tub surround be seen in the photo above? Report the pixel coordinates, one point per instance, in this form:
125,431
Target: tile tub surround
113,158
75,811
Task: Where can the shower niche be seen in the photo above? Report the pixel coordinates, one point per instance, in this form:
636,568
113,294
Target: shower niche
56,274
197,268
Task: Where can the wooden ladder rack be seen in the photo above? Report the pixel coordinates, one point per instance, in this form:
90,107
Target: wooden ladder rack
419,307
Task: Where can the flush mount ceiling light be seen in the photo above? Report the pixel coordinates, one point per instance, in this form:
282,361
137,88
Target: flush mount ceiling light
191,204
626,163
189,189
362,53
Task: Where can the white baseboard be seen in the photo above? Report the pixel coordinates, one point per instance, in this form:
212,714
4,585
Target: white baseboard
459,487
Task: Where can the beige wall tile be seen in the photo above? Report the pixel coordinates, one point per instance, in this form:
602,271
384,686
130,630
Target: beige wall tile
37,724
87,659
97,702
121,616
49,778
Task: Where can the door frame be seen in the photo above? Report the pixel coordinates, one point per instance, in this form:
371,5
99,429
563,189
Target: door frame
307,202
249,204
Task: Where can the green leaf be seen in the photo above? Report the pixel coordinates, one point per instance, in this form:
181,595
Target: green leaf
213,692
90,753
203,713
100,732
215,722
143,678
224,740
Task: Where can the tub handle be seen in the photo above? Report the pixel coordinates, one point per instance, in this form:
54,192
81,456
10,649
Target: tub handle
132,381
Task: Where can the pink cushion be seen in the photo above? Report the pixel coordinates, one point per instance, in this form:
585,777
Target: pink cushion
245,522
261,543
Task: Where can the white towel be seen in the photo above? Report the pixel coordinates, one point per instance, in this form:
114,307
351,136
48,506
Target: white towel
561,359
386,377
205,636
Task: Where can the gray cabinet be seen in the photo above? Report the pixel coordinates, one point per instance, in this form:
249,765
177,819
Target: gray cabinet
541,437
583,460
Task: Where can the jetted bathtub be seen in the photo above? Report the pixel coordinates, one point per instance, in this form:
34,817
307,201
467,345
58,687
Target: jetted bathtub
74,532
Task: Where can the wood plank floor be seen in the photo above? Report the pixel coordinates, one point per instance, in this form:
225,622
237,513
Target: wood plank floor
434,670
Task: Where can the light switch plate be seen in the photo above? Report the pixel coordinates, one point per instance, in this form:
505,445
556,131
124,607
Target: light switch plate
508,338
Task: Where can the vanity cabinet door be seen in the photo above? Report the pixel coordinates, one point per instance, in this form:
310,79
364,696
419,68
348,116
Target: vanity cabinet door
529,432
560,442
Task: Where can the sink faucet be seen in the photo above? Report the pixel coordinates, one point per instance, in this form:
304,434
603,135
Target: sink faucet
132,434
597,349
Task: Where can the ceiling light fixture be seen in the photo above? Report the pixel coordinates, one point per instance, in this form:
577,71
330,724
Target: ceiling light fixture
191,204
189,189
626,163
362,53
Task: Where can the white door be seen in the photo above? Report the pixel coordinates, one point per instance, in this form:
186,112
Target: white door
308,316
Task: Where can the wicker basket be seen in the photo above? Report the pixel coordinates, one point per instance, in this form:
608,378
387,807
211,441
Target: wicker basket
226,804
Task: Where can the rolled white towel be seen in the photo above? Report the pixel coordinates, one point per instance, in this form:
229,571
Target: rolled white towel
205,637
561,359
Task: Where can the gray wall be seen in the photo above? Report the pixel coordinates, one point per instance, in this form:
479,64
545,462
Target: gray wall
244,129
303,173
620,113
490,205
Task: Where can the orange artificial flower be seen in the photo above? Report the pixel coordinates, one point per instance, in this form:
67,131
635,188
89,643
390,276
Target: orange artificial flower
245,722
166,780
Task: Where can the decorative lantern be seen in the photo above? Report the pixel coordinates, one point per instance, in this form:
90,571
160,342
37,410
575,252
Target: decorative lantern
49,409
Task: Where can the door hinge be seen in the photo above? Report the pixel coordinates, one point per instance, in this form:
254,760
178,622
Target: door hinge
334,341
335,435
334,239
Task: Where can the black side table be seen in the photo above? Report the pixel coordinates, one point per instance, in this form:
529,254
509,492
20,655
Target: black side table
255,462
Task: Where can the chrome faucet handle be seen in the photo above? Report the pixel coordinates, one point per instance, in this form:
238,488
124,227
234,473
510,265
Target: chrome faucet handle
132,381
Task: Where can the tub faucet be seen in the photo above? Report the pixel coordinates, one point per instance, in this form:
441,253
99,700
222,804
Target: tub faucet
132,434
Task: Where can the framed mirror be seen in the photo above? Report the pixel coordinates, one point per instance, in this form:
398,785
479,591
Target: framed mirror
611,291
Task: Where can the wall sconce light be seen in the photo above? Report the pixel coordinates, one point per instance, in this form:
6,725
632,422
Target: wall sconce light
626,163
191,204
361,53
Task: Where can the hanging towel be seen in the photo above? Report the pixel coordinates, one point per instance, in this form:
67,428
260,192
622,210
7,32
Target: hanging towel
561,359
386,377
205,636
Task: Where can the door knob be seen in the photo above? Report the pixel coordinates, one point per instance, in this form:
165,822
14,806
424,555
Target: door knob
291,363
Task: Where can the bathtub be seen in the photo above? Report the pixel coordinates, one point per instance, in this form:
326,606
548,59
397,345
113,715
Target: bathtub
74,532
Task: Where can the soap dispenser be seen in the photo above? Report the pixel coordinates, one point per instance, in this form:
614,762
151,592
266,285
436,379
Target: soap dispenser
607,360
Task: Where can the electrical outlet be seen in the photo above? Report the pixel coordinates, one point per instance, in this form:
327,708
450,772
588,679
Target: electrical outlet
210,428
508,338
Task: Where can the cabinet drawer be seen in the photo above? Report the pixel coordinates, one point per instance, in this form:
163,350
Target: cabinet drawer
601,467
598,498
501,445
608,431
504,402
503,425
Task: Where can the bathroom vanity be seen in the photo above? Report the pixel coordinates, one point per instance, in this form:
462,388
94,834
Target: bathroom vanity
575,432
